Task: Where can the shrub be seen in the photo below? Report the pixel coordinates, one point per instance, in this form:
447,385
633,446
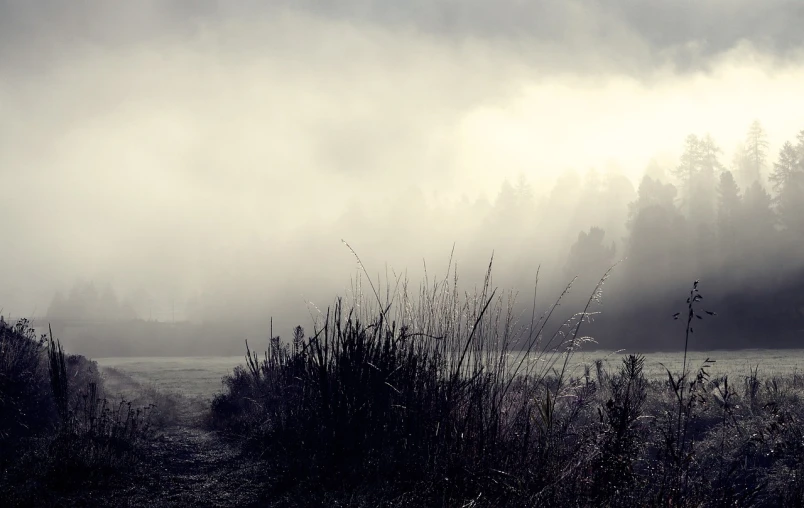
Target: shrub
450,402
57,430
96,439
26,402
432,403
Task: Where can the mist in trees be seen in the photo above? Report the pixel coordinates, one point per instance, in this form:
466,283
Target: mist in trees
738,227
740,235
85,302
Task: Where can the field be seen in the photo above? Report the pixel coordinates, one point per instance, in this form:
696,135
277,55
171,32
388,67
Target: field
201,376
198,376
373,415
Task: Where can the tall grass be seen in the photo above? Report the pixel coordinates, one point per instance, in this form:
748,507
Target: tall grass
26,402
441,394
57,430
443,398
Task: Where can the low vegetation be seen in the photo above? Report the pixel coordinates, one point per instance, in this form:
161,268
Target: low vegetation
58,432
451,400
439,398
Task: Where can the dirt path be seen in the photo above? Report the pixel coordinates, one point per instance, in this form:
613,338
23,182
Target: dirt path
193,467
184,464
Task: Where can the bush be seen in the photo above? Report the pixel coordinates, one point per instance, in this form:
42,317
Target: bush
26,401
450,403
96,440
433,403
57,430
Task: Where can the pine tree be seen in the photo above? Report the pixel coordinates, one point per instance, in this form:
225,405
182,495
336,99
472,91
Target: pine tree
741,166
728,193
589,257
651,193
659,244
688,168
758,219
757,235
756,152
702,205
710,155
787,180
729,209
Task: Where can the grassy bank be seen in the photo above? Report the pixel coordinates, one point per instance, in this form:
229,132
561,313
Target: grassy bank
417,402
59,433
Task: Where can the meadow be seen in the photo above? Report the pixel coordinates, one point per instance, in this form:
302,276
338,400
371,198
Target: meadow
434,397
202,376
191,376
446,399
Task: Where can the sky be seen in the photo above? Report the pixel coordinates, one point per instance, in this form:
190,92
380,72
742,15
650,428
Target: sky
143,142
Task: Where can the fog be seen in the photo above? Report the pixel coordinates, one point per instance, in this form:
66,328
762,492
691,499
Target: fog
203,160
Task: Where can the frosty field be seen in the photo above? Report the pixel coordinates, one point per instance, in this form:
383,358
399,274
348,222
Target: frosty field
201,376
192,376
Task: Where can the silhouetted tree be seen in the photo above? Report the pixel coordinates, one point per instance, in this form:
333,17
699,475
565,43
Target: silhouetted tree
758,218
657,258
757,235
589,257
688,169
741,166
756,153
612,205
787,180
704,185
729,210
658,232
651,193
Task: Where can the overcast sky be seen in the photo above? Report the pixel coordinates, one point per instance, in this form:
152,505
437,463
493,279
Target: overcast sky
133,133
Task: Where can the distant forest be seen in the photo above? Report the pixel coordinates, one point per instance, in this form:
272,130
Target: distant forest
736,224
739,229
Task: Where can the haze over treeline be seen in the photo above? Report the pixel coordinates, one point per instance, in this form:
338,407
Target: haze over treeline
203,160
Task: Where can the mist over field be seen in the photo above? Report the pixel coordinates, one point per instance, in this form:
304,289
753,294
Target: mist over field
201,162
402,253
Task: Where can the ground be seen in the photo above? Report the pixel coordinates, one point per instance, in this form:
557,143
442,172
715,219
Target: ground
189,466
184,465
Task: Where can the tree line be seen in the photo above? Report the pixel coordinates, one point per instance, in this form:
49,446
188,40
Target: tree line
737,225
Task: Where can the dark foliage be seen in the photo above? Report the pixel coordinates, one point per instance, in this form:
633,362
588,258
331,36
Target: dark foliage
390,415
57,431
